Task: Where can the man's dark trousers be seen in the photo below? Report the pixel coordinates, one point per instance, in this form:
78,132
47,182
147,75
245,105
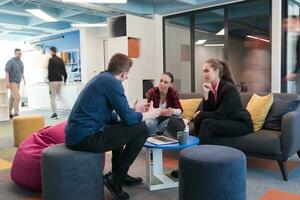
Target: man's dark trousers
114,138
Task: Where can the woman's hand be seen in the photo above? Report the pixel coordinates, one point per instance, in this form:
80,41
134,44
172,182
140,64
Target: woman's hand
166,112
140,107
195,115
206,88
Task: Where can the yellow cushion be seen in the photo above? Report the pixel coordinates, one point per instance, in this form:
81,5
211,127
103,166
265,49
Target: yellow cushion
4,164
258,107
189,107
23,126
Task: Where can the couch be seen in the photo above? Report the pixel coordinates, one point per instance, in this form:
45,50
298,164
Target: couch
266,144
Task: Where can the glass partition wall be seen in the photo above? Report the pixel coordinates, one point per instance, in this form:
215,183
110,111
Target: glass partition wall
249,45
237,33
177,51
291,8
209,40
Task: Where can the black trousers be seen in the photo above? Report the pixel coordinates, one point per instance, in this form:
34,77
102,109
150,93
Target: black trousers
114,138
206,128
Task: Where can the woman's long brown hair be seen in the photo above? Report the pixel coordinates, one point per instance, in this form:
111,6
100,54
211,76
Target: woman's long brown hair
222,66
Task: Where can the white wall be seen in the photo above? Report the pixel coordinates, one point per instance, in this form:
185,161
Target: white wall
158,46
30,58
202,54
177,36
276,46
117,45
236,57
38,96
7,52
92,62
92,55
144,66
36,66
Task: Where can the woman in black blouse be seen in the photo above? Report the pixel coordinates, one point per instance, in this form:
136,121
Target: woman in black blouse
222,113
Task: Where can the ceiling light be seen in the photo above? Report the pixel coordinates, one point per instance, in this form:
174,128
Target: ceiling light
221,32
214,45
199,42
14,28
42,15
89,25
258,38
96,1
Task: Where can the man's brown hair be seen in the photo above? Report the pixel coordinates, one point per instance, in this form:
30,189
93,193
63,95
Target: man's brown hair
119,63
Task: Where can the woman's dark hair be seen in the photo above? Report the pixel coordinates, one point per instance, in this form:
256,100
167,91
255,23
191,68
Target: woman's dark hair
169,74
222,66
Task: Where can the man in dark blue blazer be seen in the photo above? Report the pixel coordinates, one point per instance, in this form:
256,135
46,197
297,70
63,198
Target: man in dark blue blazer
93,123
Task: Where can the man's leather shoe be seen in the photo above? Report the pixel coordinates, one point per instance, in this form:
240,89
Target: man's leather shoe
115,189
175,173
132,181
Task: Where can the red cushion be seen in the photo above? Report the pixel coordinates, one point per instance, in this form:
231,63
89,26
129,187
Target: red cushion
26,167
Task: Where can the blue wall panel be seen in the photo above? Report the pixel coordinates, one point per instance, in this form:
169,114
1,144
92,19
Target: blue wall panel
70,40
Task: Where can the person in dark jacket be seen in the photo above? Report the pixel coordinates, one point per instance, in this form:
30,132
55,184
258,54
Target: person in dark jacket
222,113
166,97
93,123
292,24
56,75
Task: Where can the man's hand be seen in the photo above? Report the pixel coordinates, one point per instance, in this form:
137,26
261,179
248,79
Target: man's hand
7,85
291,77
139,107
24,79
167,112
146,106
152,113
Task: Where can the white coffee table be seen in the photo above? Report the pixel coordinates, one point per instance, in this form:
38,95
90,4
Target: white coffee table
154,166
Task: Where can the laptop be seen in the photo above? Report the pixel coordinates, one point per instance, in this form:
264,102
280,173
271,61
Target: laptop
169,136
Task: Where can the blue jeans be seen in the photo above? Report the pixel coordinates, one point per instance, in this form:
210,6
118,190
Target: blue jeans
157,125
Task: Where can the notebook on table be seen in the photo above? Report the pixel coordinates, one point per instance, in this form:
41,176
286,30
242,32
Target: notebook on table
169,136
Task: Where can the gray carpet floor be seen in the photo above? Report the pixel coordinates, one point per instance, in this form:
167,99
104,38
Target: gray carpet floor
263,177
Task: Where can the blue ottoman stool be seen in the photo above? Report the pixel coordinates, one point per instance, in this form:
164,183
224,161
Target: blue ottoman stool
68,174
211,172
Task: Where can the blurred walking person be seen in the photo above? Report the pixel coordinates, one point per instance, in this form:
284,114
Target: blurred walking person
292,24
57,75
14,69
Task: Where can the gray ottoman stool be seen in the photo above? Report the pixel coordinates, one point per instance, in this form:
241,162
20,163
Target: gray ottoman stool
73,175
210,172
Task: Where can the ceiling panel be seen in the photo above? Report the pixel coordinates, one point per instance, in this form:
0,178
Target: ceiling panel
13,13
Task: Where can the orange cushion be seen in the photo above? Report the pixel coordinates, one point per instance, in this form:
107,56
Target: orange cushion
133,48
